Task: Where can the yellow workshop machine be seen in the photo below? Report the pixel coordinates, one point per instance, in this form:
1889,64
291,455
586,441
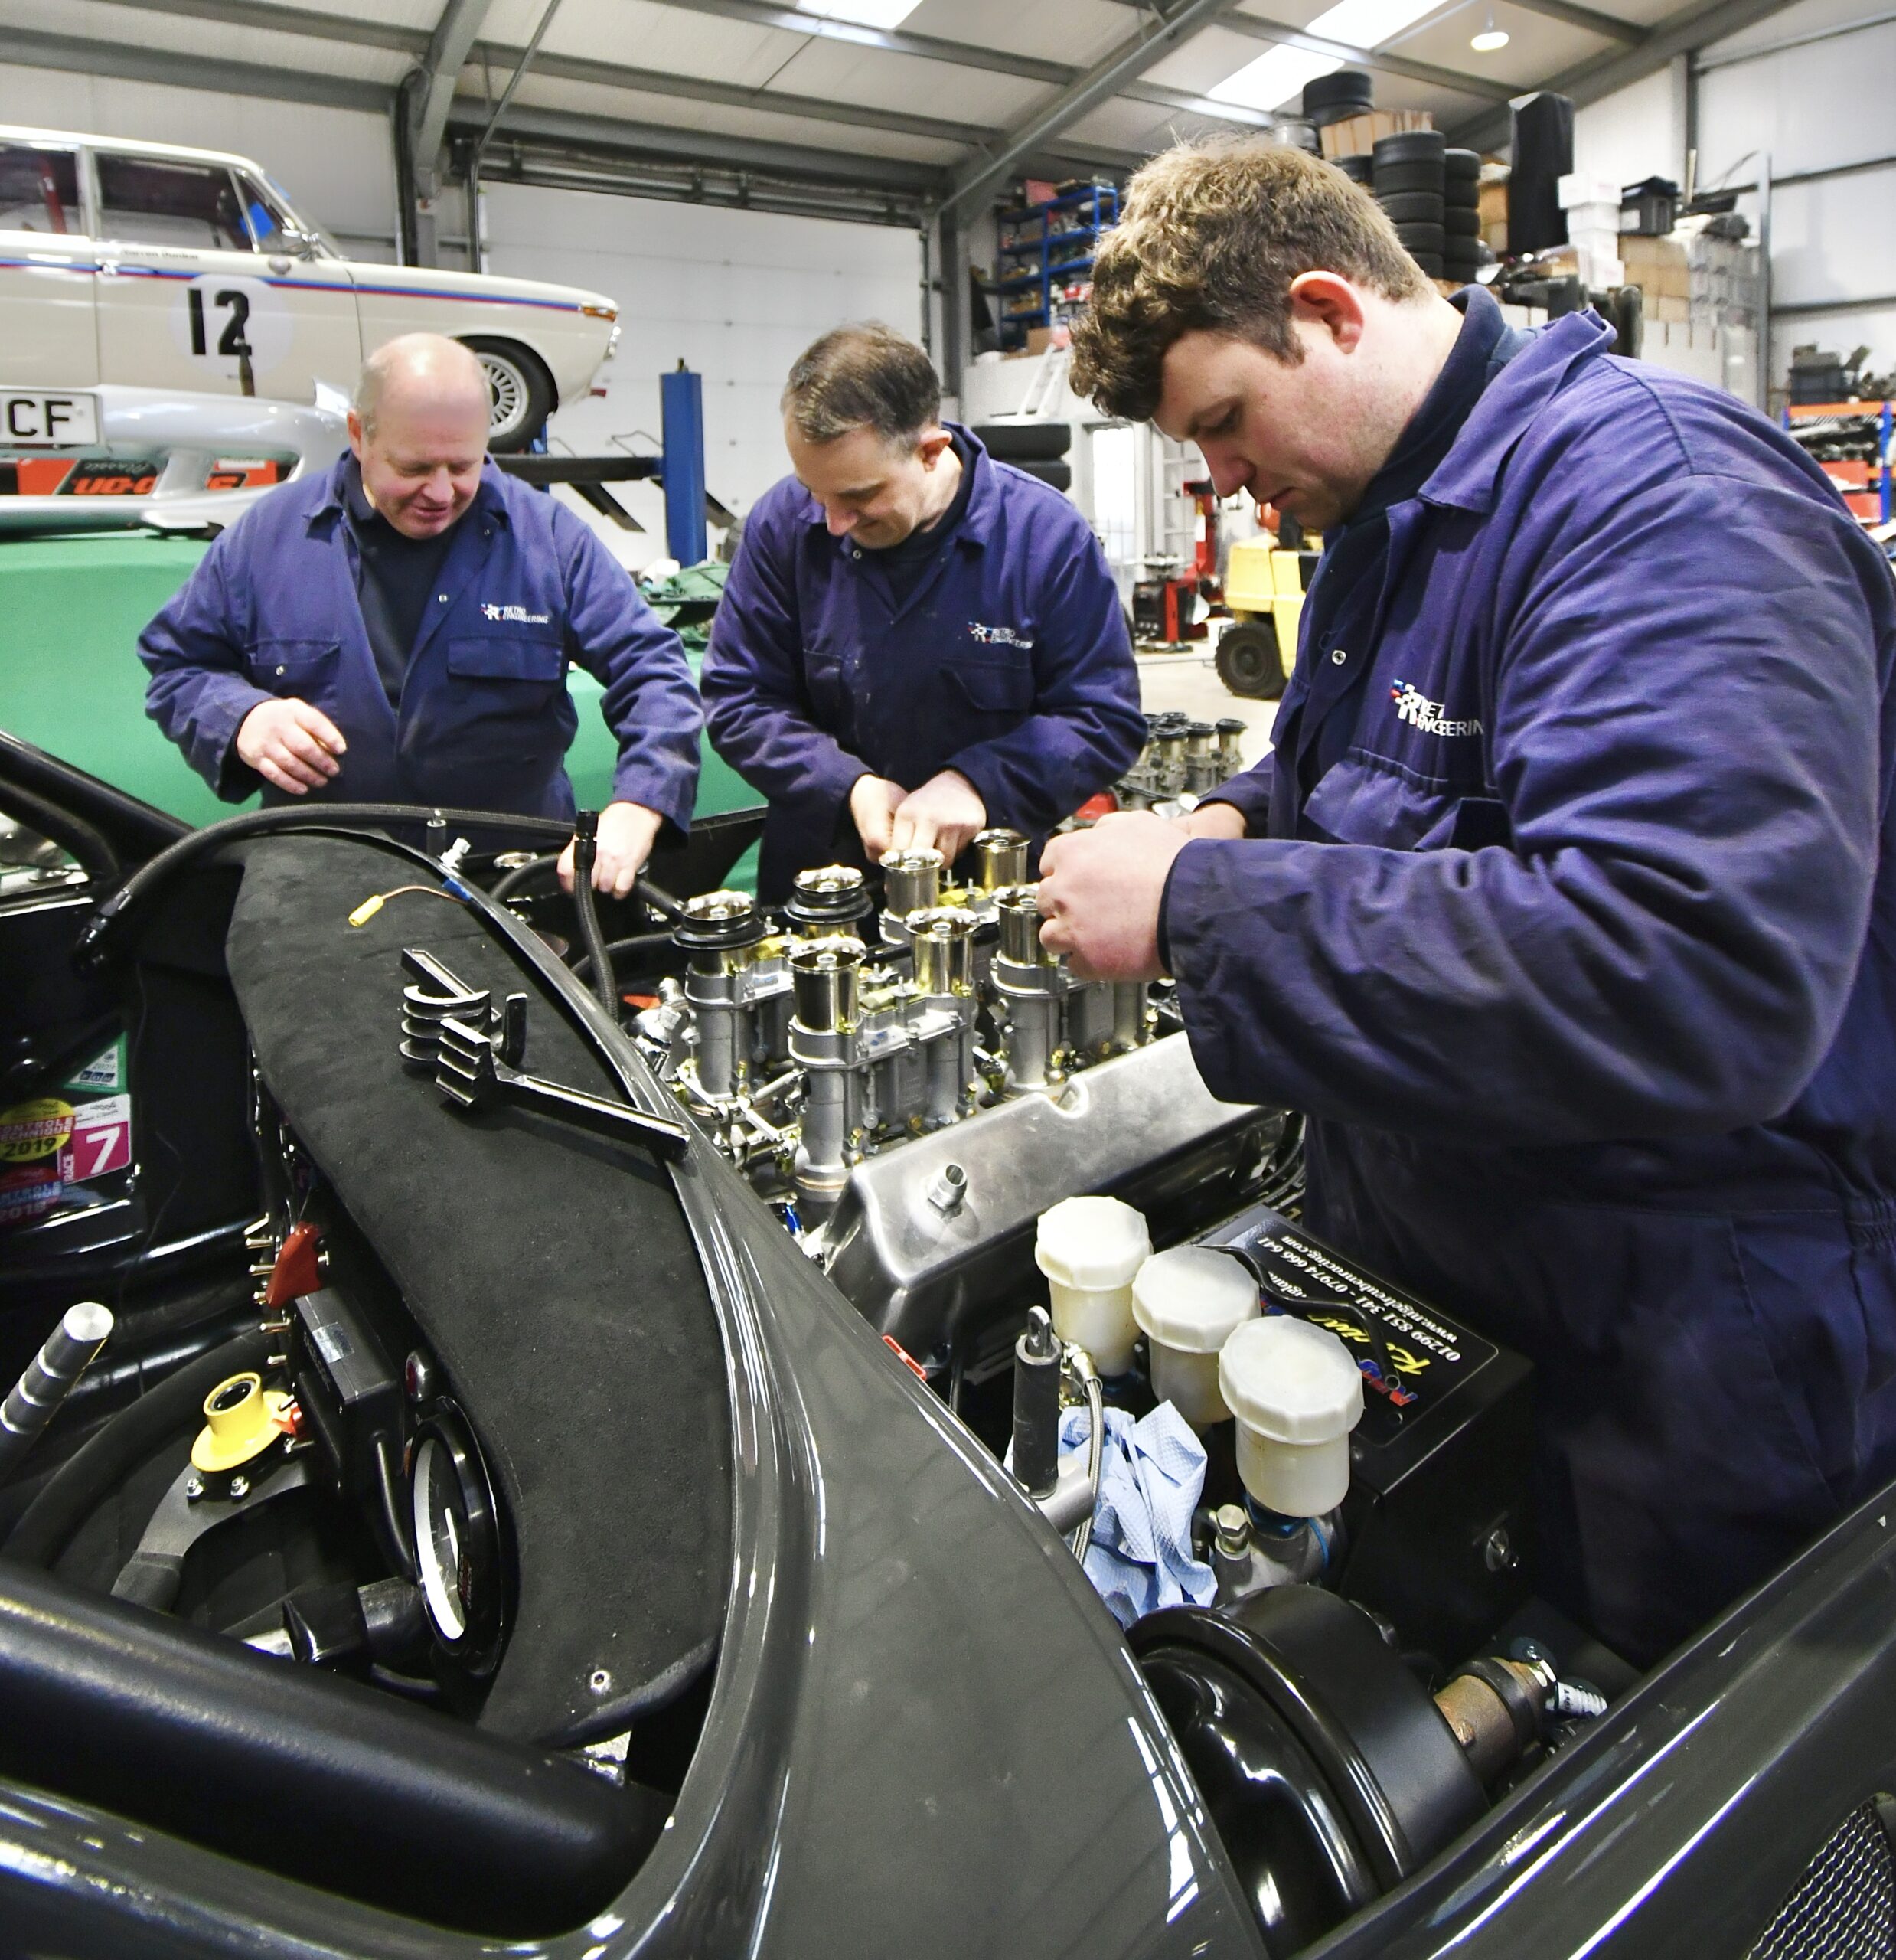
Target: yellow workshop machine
1264,583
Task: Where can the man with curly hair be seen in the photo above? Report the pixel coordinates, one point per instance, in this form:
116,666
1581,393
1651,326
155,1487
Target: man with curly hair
1564,905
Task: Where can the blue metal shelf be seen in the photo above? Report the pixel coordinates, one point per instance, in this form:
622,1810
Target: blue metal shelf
1047,258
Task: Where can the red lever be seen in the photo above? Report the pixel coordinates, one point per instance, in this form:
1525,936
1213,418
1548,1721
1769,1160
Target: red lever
295,1271
907,1359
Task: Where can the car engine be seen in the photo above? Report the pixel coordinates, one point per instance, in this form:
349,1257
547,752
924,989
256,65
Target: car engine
369,1474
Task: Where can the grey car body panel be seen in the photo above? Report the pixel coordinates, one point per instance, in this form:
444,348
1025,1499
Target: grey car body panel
926,1735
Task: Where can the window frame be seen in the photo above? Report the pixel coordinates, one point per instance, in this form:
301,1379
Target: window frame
232,180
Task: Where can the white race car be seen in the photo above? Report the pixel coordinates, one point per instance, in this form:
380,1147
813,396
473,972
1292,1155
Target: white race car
153,267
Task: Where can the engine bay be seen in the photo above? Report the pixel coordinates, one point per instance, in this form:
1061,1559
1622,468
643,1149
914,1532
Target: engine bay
459,1459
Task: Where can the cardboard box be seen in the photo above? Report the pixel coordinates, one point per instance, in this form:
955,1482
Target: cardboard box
1578,187
1662,306
1040,339
1357,135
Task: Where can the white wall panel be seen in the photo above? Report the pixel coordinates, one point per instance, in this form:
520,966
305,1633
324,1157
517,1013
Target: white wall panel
1832,240
737,295
1632,134
1830,102
337,164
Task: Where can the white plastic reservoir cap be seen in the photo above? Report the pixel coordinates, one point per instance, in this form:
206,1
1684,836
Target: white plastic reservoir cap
1191,1298
1089,1248
1093,1244
1297,1393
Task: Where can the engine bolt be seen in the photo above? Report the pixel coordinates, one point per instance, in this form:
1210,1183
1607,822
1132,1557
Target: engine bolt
240,1487
1498,1552
601,1682
194,1488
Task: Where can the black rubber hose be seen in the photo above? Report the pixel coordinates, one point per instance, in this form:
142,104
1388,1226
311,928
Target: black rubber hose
93,945
73,834
519,875
639,943
90,1474
94,942
585,851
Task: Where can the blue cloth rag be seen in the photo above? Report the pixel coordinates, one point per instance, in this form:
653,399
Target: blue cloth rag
1150,1474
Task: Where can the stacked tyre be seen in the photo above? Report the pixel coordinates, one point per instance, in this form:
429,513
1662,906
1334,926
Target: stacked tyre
1407,172
1358,169
1337,97
1461,217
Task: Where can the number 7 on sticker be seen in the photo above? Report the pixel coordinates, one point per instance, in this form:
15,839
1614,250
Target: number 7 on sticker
107,1148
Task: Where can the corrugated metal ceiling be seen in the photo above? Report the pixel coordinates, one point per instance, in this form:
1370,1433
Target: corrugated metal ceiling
935,91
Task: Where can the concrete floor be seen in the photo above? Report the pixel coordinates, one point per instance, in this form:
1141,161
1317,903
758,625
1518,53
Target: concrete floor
1189,682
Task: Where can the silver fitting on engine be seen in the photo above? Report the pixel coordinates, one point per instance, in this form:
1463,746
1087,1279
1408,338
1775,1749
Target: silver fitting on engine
1201,769
911,882
825,983
718,935
943,942
834,898
1001,856
1032,983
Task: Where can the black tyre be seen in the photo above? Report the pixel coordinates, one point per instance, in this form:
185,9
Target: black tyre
1024,442
1248,662
1462,166
1059,472
1457,273
1356,168
1412,207
1330,98
519,391
1417,239
1391,180
1411,146
1431,263
1459,224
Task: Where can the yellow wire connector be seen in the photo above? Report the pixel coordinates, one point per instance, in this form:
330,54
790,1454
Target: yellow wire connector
369,907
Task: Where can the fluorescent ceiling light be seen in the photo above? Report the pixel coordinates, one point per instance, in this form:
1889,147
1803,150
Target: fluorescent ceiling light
864,13
1369,23
1277,75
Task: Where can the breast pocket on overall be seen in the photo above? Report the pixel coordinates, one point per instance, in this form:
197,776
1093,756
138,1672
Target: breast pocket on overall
1367,798
299,670
987,698
503,696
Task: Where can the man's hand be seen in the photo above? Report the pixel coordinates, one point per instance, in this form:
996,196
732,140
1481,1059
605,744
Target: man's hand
1100,891
626,834
872,804
944,814
292,746
1223,820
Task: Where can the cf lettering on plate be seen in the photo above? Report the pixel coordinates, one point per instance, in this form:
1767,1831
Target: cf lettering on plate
49,421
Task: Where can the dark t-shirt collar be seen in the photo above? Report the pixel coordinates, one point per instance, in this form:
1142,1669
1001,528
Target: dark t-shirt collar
1483,347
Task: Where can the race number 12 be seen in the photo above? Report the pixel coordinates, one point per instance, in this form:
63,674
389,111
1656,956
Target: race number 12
231,340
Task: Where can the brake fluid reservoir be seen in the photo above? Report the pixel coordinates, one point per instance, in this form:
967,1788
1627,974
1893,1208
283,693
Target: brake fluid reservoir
1297,1395
1189,1300
1090,1248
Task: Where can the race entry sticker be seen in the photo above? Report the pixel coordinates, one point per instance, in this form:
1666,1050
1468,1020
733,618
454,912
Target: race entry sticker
71,1152
32,1130
101,1140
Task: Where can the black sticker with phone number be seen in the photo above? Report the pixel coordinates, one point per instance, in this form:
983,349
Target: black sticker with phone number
1408,1354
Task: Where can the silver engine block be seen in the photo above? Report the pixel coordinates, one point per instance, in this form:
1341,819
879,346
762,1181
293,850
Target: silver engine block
910,1091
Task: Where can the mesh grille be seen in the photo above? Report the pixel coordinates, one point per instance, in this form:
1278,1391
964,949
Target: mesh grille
1845,1908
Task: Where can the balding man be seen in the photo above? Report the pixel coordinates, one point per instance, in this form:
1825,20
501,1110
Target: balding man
399,630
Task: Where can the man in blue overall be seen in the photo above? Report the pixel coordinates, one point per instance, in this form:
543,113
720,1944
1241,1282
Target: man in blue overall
1564,905
916,642
398,630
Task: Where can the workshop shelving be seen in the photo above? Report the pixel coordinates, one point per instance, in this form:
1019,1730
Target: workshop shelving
1045,263
1850,442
